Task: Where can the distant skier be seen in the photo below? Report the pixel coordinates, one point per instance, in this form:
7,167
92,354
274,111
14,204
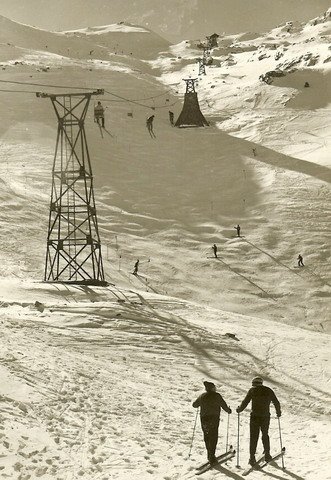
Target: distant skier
261,398
135,269
171,118
214,247
307,84
254,152
99,114
210,403
149,125
300,261
238,230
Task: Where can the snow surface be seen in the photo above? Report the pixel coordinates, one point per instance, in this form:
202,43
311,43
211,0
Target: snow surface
116,27
97,383
251,109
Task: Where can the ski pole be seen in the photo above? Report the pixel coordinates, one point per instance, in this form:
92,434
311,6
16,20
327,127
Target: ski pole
238,441
227,434
195,423
281,442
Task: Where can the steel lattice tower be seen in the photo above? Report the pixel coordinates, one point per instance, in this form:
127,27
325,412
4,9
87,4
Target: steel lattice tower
202,68
190,84
191,115
206,54
73,243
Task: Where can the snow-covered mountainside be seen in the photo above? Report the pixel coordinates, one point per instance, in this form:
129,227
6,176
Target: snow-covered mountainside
173,19
99,42
256,90
124,39
97,383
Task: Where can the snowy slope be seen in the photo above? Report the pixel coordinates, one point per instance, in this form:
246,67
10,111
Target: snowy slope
98,383
100,42
173,19
161,201
110,396
123,38
245,106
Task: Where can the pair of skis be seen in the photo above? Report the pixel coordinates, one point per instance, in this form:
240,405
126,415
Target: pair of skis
261,463
219,460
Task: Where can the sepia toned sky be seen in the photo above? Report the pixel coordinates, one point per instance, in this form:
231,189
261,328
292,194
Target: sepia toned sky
171,18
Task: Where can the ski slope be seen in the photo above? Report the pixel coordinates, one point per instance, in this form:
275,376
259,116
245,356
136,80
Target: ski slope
98,383
284,115
101,382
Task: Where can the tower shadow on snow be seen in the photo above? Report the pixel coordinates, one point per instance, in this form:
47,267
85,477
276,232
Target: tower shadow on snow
214,349
273,258
321,279
213,352
279,160
246,278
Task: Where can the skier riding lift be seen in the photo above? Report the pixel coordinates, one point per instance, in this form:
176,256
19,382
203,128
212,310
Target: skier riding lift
99,114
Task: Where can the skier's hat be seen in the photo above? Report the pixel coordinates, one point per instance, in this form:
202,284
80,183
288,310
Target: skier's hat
209,385
257,381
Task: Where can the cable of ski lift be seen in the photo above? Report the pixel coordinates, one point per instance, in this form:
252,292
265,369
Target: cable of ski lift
86,88
45,85
127,100
145,106
124,100
16,91
104,100
154,96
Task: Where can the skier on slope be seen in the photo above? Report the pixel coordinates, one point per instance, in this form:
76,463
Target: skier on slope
149,125
135,268
300,261
261,397
171,118
214,247
238,230
210,403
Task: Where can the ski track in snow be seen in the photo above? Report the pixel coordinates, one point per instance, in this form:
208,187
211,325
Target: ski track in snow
99,403
99,384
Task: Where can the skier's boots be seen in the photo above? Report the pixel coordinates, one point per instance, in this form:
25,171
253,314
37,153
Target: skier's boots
252,461
267,457
212,459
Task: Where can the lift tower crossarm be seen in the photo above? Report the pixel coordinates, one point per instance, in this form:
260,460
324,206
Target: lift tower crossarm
99,91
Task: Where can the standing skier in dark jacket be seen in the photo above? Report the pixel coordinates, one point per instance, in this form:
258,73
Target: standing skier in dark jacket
261,397
210,403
